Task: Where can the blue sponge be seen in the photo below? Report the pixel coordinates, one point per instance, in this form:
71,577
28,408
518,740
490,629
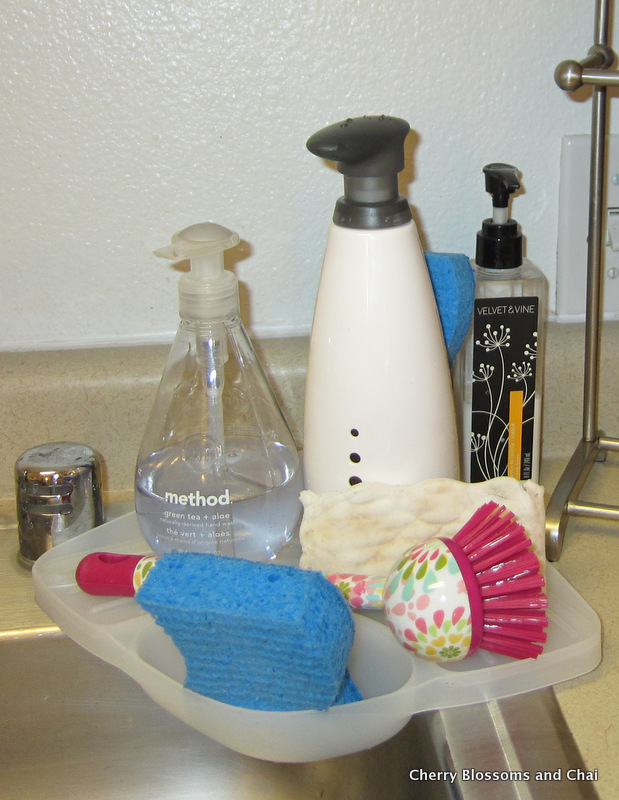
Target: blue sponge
261,636
453,281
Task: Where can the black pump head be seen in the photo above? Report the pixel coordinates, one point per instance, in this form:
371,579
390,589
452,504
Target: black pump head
369,152
367,147
501,181
499,242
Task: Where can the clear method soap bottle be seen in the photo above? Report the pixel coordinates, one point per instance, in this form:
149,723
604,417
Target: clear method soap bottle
218,470
499,371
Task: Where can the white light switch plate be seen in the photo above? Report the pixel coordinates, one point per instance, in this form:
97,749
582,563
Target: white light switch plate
573,229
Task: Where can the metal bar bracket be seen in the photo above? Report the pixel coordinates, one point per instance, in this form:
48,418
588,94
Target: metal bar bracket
594,70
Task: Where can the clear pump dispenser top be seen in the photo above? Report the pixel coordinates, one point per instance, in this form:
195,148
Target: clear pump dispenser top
218,469
208,291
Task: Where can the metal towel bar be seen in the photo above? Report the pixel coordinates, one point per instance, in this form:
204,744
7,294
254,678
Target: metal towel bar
594,71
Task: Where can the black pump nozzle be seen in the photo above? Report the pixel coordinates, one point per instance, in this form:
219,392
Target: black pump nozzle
369,152
368,147
501,181
499,242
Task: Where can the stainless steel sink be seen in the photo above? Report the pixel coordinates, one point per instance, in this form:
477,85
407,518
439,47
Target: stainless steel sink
76,727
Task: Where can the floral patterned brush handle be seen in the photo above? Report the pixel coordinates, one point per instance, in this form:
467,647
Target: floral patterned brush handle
360,591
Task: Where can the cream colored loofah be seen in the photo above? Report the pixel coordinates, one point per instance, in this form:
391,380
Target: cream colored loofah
364,529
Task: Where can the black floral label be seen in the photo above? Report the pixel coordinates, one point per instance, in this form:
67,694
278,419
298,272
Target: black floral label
504,365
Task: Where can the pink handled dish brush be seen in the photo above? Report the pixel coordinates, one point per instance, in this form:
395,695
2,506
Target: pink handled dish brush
445,598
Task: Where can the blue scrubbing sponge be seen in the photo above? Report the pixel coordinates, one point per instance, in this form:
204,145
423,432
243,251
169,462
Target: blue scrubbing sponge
261,636
453,281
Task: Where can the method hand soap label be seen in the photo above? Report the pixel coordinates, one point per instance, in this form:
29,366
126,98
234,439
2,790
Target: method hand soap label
505,336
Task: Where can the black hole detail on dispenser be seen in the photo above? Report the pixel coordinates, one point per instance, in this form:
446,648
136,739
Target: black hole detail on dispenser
354,432
355,458
354,479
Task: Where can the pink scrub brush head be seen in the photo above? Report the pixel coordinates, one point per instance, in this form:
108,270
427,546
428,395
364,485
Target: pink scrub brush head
445,598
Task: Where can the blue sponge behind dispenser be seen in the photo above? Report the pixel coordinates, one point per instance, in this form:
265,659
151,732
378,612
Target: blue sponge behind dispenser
453,281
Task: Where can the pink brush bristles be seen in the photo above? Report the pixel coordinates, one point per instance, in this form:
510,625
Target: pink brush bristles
504,583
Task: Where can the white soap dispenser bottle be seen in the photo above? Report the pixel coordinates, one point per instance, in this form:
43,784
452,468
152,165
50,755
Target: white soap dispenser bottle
218,470
379,401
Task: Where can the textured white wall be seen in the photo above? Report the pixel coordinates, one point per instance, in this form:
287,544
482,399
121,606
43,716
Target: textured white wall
124,122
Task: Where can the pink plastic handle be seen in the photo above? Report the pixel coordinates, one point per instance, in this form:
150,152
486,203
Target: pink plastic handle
108,574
